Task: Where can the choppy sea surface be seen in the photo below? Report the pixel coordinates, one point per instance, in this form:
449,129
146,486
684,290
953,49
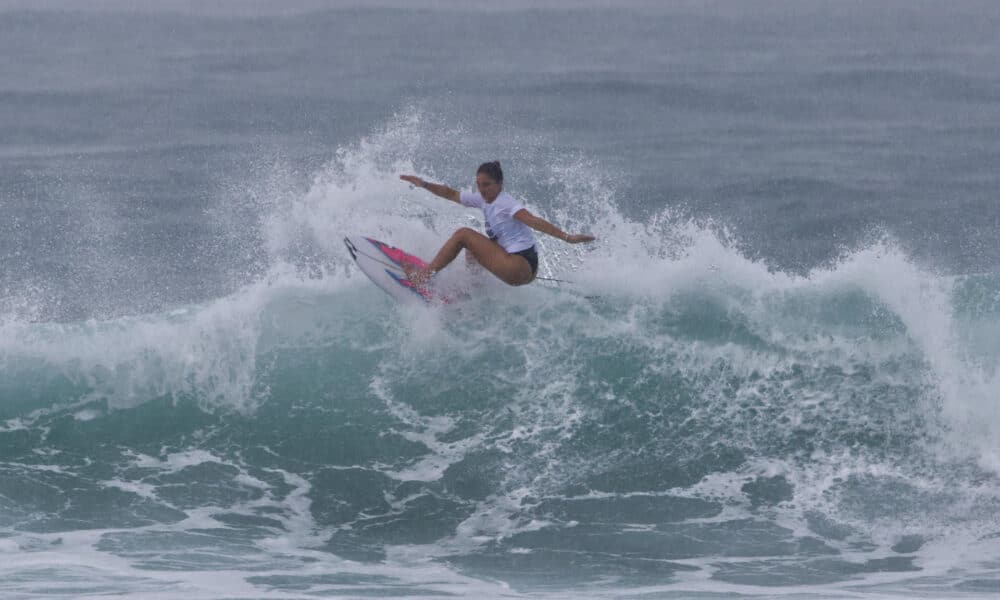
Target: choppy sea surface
775,374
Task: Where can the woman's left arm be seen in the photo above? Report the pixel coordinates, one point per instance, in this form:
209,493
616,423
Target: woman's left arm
539,224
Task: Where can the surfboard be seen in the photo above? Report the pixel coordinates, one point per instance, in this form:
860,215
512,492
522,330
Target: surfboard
383,264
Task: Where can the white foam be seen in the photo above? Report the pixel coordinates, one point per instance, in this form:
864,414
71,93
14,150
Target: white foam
639,269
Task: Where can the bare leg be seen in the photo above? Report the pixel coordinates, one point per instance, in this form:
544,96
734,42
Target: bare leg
511,269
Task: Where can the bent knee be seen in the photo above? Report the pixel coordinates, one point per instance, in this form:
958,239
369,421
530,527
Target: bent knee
464,232
465,236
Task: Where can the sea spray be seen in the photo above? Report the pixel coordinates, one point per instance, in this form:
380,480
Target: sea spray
678,410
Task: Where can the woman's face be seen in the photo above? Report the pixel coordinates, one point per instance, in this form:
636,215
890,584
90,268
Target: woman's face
488,188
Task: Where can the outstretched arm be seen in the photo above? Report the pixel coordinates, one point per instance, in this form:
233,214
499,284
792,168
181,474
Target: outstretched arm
539,224
438,189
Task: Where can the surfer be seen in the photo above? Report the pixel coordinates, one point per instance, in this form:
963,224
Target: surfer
508,248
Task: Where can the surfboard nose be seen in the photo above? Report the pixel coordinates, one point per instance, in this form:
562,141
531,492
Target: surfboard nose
351,248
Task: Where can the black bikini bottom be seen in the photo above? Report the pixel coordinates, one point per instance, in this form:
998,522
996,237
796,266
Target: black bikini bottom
531,256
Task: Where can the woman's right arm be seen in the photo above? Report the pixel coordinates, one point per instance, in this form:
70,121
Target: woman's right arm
438,189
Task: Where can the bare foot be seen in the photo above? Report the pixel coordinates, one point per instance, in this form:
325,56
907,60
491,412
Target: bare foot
417,276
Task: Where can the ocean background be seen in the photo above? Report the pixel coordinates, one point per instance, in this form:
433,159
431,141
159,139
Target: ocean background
774,375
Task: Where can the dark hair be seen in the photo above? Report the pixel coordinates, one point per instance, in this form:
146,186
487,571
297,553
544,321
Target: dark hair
492,169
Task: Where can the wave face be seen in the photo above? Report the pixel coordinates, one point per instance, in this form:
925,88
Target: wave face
678,419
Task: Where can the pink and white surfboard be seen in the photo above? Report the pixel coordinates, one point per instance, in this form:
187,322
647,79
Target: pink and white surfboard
383,264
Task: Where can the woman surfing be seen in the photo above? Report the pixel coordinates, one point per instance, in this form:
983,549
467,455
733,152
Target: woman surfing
508,248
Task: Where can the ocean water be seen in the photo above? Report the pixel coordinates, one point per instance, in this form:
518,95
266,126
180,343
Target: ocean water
774,375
